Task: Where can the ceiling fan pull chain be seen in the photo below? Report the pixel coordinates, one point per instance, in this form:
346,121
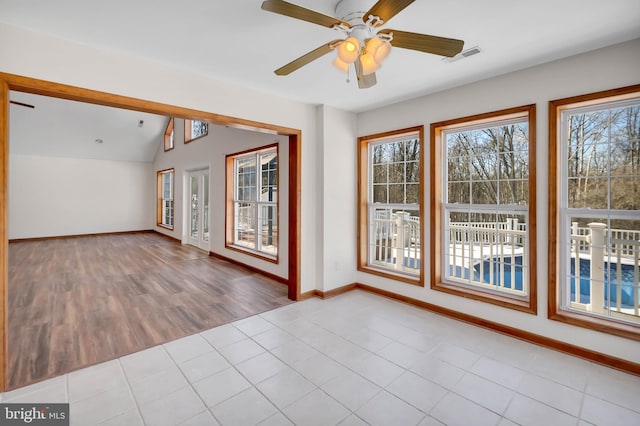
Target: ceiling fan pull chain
348,74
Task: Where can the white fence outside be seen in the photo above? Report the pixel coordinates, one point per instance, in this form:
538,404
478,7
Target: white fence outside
618,249
500,246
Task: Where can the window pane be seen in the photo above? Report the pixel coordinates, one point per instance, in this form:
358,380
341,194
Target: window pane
256,183
625,193
396,194
380,194
600,271
245,224
198,128
459,192
269,229
380,173
394,233
487,166
396,172
413,171
413,193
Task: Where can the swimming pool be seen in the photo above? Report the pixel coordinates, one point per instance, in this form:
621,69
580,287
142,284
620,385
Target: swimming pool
513,275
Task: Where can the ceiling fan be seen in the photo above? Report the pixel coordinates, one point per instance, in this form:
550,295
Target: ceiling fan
366,44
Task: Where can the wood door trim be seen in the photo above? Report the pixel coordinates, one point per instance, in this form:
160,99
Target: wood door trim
56,90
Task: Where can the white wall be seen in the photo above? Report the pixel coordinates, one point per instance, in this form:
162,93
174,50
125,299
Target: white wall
54,196
608,68
336,198
209,152
35,55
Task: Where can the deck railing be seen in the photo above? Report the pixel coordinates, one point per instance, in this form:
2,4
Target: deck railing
489,254
613,259
397,240
494,255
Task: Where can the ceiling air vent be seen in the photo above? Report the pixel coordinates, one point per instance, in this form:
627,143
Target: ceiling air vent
464,54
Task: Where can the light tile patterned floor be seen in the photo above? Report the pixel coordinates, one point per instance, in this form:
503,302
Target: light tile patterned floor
352,360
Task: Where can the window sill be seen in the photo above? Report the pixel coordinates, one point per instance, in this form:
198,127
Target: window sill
396,276
593,322
253,253
160,225
517,303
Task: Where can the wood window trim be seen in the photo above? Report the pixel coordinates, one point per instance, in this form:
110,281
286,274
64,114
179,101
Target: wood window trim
187,131
554,309
528,305
362,211
159,196
229,205
168,143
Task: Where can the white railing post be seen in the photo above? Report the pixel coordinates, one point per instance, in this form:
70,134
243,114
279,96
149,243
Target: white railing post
596,268
575,243
514,226
401,218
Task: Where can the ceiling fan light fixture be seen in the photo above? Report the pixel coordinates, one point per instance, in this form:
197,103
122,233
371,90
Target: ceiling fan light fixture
380,49
348,50
369,65
341,65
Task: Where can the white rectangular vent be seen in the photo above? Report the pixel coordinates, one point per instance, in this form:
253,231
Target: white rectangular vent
464,54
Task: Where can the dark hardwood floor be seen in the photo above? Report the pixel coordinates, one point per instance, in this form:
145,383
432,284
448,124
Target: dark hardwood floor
75,302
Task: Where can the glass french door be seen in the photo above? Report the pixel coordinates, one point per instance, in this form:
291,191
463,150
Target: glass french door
198,208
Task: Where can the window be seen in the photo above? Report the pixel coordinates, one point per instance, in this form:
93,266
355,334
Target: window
165,198
390,205
194,129
169,136
595,211
252,202
483,207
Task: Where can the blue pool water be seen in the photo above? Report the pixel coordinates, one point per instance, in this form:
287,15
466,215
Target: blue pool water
610,288
513,278
512,273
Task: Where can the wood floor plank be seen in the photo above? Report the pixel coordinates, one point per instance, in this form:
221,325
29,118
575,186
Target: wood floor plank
75,302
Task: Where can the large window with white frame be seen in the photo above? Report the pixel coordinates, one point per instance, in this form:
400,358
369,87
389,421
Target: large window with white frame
390,207
597,211
165,203
483,203
252,201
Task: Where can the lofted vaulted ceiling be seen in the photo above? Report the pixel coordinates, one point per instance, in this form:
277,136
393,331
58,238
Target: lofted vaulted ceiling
238,42
62,128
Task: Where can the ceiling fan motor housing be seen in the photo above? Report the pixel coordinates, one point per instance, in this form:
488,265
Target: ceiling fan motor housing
352,11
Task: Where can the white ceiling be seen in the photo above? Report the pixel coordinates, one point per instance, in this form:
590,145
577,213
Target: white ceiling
61,128
236,41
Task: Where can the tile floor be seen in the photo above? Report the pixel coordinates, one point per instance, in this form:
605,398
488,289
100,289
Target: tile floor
352,360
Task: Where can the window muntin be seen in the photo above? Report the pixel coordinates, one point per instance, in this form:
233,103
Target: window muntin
483,206
255,201
169,136
194,129
599,210
165,206
391,205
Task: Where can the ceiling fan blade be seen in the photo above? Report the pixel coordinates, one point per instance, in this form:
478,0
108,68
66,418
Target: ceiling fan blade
308,57
21,104
364,81
385,10
425,43
294,11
